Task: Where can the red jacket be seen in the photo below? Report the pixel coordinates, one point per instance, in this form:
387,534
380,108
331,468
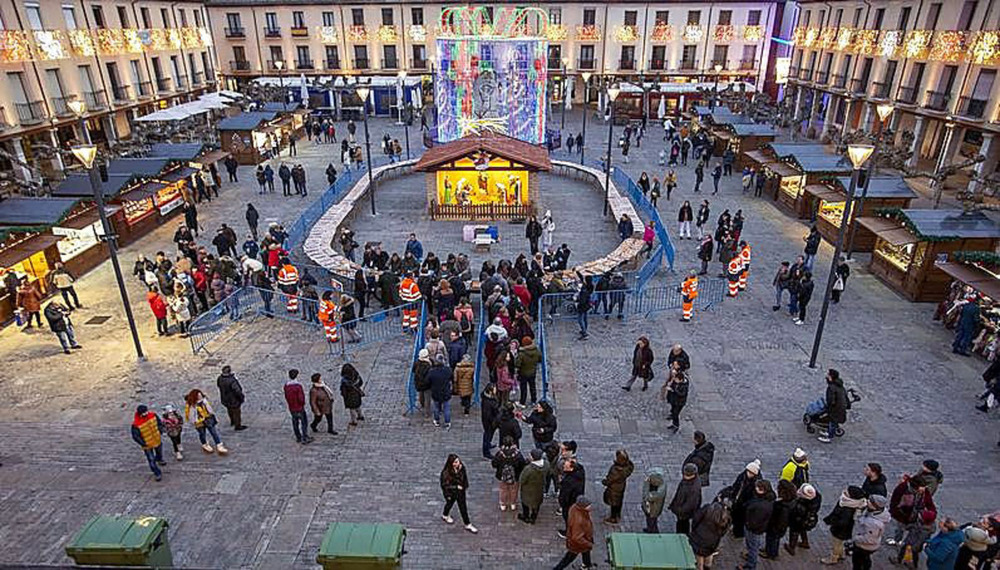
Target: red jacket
274,256
523,294
200,280
295,396
156,304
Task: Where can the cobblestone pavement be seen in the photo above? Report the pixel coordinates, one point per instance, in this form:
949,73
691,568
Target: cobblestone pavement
66,451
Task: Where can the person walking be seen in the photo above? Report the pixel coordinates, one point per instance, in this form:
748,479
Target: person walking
642,364
526,363
812,246
579,534
840,281
684,218
803,295
583,303
654,494
507,465
231,168
60,324
699,176
869,527
548,230
625,227
29,301
489,409
758,513
440,376
614,485
777,525
836,404
146,430
454,486
63,281
252,217
269,178
295,398
703,214
531,482
655,192
675,392
803,517
321,404
648,239
231,396
670,182
942,549
705,249
572,484
841,522
687,498
173,426
352,392
708,526
199,411
716,177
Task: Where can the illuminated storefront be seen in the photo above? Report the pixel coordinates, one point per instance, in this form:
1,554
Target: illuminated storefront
831,199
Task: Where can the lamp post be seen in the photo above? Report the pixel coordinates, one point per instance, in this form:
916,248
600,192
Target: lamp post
565,94
715,88
86,153
612,95
586,87
279,64
883,111
363,93
858,154
406,122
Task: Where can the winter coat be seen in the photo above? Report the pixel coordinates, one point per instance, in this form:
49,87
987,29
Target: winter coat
836,400
812,243
230,391
702,456
157,304
351,392
579,530
804,513
905,504
654,493
489,411
759,510
532,481
777,525
572,486
505,459
795,472
451,480
57,320
685,214
642,362
440,379
615,481
708,526
29,299
942,550
527,360
841,518
320,400
464,373
687,498
543,426
509,426
868,529
295,397
420,370
876,487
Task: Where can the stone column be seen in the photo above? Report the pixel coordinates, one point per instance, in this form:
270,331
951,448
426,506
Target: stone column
919,130
989,149
831,113
814,109
57,161
869,118
18,146
848,106
799,93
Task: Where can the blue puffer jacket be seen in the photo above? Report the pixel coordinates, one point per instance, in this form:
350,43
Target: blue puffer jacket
942,550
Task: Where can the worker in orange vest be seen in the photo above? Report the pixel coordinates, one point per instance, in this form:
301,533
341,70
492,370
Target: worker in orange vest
409,293
288,282
689,292
745,258
328,313
734,269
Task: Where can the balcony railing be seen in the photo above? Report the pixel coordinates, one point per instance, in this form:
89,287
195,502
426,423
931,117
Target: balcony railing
305,64
333,63
239,65
859,86
907,95
300,32
418,64
658,64
60,106
182,83
748,64
272,67
626,64
30,113
822,77
145,89
937,100
805,74
163,84
793,72
121,93
390,64
3,119
880,90
839,80
585,63
95,100
689,64
361,63
238,32
272,32
972,107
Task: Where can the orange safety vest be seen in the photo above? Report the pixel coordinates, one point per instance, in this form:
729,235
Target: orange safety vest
327,311
735,265
288,275
408,291
745,254
690,288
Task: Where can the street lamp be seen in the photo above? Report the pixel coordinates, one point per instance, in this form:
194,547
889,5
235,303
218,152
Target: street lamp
279,64
883,111
613,92
363,92
86,153
406,122
859,154
565,94
715,88
586,87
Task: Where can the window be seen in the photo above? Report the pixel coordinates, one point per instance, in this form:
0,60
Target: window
933,14
904,18
144,14
555,54
890,73
239,54
197,18
631,17
358,16
947,80
387,16
827,62
694,17
749,59
361,57
302,55
183,17
839,17
753,18
175,65
271,20
298,20
207,66
98,16
53,83
192,68
389,59
687,57
157,70
114,79
332,57
276,54
86,78
846,68
587,55
725,17
589,16
69,15
417,16
123,16
662,17
165,17
879,16
328,19
135,71
658,60
917,75
628,57
34,16
857,17
233,21
968,11
419,56
720,55
984,84
16,81
822,17
806,18
555,16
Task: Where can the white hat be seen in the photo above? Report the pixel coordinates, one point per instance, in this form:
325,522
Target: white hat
807,491
799,454
754,466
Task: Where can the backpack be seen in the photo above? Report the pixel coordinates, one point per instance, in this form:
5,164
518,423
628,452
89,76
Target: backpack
507,473
465,325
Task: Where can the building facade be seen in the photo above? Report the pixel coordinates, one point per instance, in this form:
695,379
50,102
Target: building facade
936,61
121,58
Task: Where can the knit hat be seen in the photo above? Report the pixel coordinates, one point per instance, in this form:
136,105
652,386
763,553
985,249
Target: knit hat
807,492
142,409
799,454
932,464
754,466
976,539
169,408
927,516
583,501
855,492
878,501
536,454
690,470
526,341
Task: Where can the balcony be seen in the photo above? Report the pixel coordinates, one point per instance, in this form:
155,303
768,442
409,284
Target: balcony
657,64
390,64
972,107
235,33
60,106
361,63
300,32
3,119
182,83
145,89
163,84
197,78
554,63
121,93
839,80
30,113
748,64
626,64
95,100
239,65
881,90
937,100
210,74
333,63
907,95
822,77
688,64
805,74
272,32
585,64
305,64
859,86
418,64
272,67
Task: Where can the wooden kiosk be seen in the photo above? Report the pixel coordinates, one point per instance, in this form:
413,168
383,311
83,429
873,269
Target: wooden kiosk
909,244
812,169
830,200
748,137
489,176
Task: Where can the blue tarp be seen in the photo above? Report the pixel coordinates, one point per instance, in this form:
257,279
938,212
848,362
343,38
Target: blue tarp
246,121
276,106
35,211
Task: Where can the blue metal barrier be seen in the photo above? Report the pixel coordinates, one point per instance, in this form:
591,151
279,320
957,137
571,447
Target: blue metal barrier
648,269
480,348
418,343
209,325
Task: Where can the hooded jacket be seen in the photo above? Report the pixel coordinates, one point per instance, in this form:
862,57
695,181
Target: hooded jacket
616,479
572,485
942,550
543,424
687,498
508,456
702,456
528,357
230,391
796,472
440,380
532,482
804,513
841,518
654,493
836,400
708,526
868,529
759,509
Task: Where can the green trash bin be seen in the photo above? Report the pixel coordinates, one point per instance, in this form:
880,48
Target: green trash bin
632,551
362,546
122,541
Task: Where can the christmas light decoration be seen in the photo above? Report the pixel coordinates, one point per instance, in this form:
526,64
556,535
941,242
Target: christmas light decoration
844,37
949,46
889,43
812,36
663,33
417,33
588,33
130,38
49,45
827,38
626,34
692,34
14,46
917,44
326,34
190,38
82,42
753,33
357,34
723,33
864,42
986,49
557,33
206,37
798,34
174,38
387,34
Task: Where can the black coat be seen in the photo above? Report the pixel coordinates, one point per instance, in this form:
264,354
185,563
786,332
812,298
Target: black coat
758,513
543,426
708,527
56,319
836,401
804,513
489,410
806,291
841,522
685,214
777,525
452,480
230,391
687,498
505,457
683,358
642,362
572,486
351,392
876,487
702,456
440,378
533,230
509,427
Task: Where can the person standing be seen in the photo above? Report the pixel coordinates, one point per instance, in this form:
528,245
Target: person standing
777,525
614,485
687,498
642,364
532,486
489,409
231,167
440,376
675,392
454,486
526,363
812,246
351,391
699,176
836,405
644,183
670,181
654,494
252,217
655,192
780,283
708,526
63,281
173,425
29,300
702,457
295,398
533,231
572,485
968,321
716,177
146,431
507,465
703,214
583,303
579,534
321,404
543,424
942,549
869,527
805,291
625,227
841,522
684,218
796,469
57,316
705,251
840,281
758,513
548,230
231,396
689,292
803,517
198,411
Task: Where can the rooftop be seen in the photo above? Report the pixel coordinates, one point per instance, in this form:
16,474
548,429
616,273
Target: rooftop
532,156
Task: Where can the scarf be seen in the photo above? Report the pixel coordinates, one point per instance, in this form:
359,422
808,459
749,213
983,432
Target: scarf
850,503
326,388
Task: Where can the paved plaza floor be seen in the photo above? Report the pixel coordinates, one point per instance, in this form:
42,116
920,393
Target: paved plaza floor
67,454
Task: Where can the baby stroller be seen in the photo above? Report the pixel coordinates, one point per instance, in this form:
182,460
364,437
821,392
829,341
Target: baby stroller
816,418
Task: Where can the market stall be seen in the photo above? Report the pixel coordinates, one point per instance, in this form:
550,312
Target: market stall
748,137
252,137
81,247
26,254
830,199
812,170
909,245
147,206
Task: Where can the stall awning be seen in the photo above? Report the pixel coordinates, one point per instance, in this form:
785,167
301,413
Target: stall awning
783,170
179,174
35,211
877,224
752,130
824,192
797,149
881,187
212,157
973,276
88,217
278,106
245,121
78,185
138,166
146,190
175,151
810,163
27,248
952,223
758,156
